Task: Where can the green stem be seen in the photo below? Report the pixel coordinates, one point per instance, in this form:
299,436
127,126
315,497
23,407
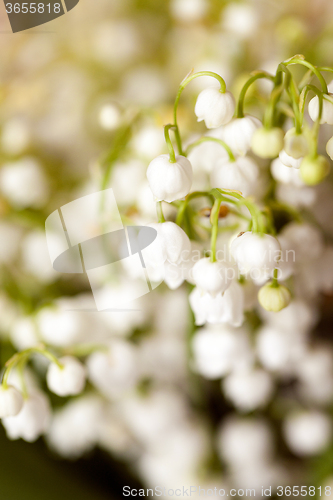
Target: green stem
254,211
294,96
159,211
24,356
211,139
184,204
316,126
297,60
255,75
215,224
183,84
325,68
279,87
275,282
169,143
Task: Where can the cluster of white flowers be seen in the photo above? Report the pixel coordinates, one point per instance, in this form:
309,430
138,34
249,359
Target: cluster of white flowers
250,263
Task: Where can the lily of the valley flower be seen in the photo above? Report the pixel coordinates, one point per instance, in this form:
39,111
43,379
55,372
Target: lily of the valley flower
32,420
171,245
329,148
239,175
295,144
11,401
227,308
289,161
170,181
284,174
327,112
212,277
267,143
274,297
248,389
67,380
216,108
256,254
314,170
238,133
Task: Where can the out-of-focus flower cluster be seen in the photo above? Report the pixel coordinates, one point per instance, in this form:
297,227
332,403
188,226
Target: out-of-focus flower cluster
183,398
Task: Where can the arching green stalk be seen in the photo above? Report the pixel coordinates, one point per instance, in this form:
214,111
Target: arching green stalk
184,204
211,139
315,128
279,87
315,71
257,225
255,75
23,356
183,84
169,143
294,96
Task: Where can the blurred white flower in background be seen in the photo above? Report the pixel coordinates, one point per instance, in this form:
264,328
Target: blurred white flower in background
24,184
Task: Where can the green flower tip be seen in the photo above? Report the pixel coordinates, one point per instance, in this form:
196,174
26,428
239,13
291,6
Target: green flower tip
267,143
314,170
274,298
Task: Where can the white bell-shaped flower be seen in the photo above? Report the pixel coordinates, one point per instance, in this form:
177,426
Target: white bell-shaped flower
329,148
216,350
305,241
32,420
284,174
278,349
256,254
248,389
216,108
11,401
238,133
243,441
212,277
240,175
68,380
24,184
295,144
327,112
76,426
307,433
227,308
289,161
170,181
115,371
170,245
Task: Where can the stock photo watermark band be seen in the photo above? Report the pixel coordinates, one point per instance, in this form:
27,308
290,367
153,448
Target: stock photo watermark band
87,236
24,15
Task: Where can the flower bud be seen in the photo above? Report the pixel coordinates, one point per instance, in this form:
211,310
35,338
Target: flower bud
68,380
212,277
216,108
170,181
267,143
329,148
295,144
11,401
314,170
274,298
327,112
